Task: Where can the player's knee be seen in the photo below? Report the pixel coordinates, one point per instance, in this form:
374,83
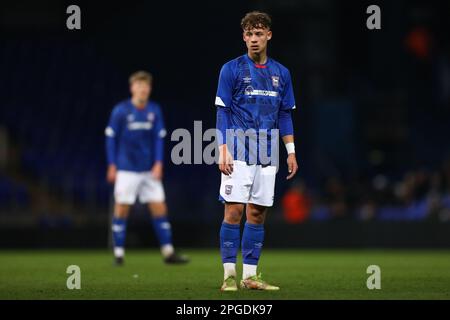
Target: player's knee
158,209
121,211
233,216
255,216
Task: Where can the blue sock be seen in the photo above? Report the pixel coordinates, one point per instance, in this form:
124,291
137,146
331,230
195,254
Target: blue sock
229,242
252,242
163,230
119,229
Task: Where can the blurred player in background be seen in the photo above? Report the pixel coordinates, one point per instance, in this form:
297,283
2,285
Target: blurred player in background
135,148
254,92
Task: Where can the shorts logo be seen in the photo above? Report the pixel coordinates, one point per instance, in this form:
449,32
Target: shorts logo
228,189
275,81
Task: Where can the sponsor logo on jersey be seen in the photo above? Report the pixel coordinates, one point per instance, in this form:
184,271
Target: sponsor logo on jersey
140,125
275,81
249,91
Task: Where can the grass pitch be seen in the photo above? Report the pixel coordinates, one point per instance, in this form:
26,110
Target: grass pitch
301,274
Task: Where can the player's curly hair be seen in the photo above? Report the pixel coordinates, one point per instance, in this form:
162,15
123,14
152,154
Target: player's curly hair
256,19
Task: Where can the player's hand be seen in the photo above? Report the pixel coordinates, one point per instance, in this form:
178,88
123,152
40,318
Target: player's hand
111,174
157,171
292,165
225,160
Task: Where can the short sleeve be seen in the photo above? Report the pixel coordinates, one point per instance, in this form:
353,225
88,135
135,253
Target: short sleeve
287,98
225,87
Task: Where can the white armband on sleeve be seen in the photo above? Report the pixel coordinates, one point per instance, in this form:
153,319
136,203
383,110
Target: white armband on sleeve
290,147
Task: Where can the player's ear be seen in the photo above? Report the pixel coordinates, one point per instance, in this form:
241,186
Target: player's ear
269,35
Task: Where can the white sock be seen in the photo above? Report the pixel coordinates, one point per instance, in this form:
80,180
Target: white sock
167,250
229,269
119,252
249,270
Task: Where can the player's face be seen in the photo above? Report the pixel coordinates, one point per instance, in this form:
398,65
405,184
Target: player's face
256,39
140,90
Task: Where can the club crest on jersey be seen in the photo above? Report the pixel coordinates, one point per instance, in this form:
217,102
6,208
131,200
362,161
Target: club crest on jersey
247,79
150,116
228,189
275,81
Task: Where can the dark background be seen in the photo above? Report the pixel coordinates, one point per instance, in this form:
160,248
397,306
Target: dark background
372,124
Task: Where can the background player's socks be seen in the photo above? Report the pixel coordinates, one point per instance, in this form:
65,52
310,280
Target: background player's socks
252,242
167,250
164,234
119,229
229,246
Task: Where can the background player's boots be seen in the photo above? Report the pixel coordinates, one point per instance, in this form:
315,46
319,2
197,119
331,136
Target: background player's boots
118,261
229,284
175,258
256,283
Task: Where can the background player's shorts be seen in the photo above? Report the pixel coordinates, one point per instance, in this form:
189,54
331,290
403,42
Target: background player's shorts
249,184
130,185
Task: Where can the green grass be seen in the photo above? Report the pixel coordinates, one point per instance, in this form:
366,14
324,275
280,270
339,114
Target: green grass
301,274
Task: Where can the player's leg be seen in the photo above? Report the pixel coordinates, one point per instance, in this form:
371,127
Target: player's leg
229,243
163,231
119,229
152,192
252,239
261,199
234,191
125,190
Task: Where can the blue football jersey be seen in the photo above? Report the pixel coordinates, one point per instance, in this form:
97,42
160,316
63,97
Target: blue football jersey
134,137
254,93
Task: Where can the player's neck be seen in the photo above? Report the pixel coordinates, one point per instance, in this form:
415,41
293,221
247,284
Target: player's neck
258,58
139,104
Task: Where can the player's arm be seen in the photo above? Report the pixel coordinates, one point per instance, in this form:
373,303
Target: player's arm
223,118
159,134
286,127
222,124
111,132
287,135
